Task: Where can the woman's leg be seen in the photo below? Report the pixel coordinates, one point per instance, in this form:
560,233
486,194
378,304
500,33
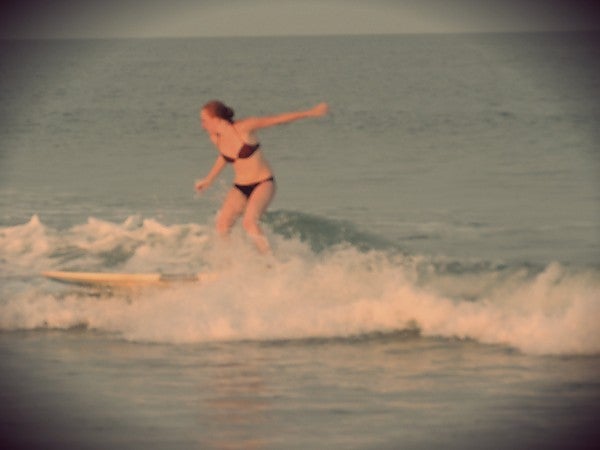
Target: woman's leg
257,204
230,211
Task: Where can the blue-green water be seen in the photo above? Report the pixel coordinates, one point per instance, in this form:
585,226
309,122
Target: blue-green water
435,277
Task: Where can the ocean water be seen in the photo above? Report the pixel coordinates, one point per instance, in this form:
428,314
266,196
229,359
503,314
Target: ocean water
436,272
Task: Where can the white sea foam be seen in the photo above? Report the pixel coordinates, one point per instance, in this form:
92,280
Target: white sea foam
299,294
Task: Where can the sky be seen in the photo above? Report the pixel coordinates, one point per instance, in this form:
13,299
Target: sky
186,18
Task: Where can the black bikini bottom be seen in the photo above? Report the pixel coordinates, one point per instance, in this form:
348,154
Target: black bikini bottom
247,189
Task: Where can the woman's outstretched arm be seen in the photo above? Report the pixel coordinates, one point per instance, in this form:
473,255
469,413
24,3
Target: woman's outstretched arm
255,123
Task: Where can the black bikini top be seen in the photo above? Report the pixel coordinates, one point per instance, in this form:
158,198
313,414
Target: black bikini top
246,151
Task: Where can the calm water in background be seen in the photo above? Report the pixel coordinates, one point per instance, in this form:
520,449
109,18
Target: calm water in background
436,243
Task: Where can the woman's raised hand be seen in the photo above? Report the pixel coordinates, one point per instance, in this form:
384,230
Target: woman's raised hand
320,110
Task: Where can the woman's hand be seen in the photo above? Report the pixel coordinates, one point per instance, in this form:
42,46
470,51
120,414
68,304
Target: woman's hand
320,110
202,185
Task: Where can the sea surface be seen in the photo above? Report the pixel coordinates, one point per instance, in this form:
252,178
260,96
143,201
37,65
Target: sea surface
435,279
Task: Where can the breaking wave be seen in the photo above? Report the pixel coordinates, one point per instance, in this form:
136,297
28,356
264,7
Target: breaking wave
326,280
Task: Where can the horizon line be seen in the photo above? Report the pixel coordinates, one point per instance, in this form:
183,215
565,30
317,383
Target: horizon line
298,35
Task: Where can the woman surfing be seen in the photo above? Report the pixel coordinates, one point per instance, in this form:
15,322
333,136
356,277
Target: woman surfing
254,182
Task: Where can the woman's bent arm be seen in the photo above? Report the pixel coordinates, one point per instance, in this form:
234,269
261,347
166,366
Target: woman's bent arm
205,182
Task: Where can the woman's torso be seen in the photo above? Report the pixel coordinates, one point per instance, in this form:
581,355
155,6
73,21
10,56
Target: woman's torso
249,169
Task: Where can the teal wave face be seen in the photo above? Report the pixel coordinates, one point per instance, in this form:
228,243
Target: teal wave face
321,233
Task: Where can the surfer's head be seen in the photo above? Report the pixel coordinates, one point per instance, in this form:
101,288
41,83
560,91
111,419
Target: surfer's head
218,109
